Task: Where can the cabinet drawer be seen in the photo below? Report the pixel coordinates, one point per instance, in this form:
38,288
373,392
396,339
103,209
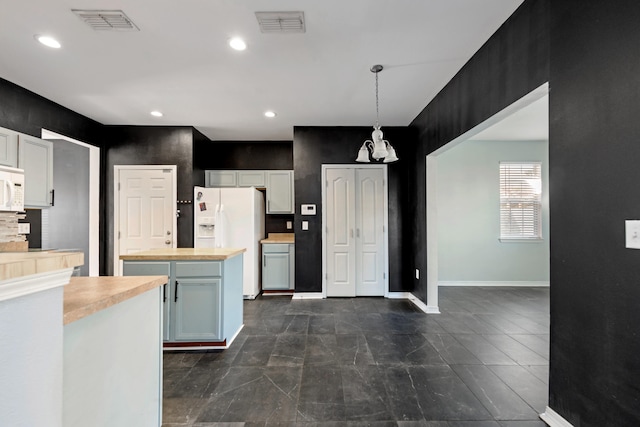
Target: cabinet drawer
275,247
137,268
198,269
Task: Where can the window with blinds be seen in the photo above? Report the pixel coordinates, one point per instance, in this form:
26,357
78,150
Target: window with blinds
520,201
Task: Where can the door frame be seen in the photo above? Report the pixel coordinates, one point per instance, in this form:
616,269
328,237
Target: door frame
117,264
94,198
385,191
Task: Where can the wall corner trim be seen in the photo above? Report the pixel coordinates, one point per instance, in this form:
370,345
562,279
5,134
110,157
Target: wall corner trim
553,419
307,295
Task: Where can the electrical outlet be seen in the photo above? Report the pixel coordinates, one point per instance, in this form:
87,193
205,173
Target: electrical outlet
305,225
417,274
289,225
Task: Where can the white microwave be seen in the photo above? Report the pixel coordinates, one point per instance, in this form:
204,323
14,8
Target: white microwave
11,189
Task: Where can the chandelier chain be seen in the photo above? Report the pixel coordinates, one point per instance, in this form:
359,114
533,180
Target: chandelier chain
377,113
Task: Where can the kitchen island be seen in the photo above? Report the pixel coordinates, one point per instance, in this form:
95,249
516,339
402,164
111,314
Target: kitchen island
202,302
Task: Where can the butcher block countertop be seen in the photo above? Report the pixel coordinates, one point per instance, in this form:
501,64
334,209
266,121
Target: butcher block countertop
84,296
18,264
279,238
185,254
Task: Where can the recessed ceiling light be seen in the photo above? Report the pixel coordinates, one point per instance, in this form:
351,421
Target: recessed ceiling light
156,114
269,114
237,43
48,41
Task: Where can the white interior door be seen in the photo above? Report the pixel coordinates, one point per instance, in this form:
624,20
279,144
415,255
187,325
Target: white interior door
370,246
340,225
146,206
355,245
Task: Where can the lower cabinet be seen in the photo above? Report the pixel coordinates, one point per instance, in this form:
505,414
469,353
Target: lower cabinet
277,266
202,301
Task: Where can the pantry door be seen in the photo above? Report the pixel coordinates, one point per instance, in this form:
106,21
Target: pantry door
355,239
145,209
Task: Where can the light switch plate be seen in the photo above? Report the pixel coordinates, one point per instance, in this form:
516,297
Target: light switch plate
632,234
289,225
305,225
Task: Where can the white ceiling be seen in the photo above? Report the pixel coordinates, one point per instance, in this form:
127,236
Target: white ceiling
179,62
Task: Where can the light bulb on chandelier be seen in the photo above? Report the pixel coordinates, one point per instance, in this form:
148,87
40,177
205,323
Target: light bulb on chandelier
377,146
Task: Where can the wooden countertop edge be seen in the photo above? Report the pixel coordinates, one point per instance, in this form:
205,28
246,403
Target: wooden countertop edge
203,256
84,296
14,265
272,241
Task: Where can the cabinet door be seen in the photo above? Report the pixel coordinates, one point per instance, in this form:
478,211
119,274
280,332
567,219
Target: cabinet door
250,178
35,156
145,268
275,270
221,179
197,309
8,148
280,192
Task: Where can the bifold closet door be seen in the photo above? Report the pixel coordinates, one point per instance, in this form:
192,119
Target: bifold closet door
355,232
340,233
369,232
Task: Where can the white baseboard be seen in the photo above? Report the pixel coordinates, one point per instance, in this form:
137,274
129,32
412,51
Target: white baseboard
428,309
522,283
553,419
307,295
398,295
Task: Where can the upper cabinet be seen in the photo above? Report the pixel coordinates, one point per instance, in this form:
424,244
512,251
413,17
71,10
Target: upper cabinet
35,156
250,178
280,192
220,179
278,183
8,148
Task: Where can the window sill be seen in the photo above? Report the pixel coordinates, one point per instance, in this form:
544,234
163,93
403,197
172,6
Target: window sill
516,240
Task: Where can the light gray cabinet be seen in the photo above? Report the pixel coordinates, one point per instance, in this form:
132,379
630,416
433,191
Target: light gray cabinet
277,266
197,298
219,178
154,268
251,179
8,148
277,183
202,301
280,192
35,156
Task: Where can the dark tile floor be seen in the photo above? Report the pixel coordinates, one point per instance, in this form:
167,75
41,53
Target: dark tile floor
483,362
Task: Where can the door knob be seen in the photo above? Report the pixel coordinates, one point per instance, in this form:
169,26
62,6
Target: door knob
168,233
168,242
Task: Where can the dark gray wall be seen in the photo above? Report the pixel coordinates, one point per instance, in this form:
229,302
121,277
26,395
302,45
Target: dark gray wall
151,145
594,152
513,62
26,112
69,217
315,146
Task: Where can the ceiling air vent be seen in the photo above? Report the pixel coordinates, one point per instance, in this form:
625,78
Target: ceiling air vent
281,22
106,20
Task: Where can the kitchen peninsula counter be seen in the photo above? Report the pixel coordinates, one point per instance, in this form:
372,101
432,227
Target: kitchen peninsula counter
84,296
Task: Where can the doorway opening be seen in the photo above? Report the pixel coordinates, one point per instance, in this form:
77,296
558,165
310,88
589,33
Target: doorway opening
91,210
454,239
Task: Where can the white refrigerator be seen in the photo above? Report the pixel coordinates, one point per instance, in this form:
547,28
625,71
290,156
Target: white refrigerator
232,218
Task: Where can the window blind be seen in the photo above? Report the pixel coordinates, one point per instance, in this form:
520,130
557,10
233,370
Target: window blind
520,201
